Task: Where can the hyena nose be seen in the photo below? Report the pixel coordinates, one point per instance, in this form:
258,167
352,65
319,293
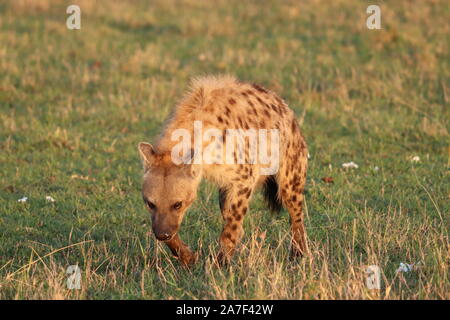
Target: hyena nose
163,236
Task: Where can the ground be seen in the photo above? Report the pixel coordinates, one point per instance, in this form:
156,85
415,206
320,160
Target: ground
75,103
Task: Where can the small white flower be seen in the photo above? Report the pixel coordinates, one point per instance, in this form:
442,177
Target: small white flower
376,168
415,159
24,199
49,199
350,164
405,267
309,156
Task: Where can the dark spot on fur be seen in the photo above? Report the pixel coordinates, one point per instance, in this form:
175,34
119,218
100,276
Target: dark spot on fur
243,191
232,101
278,100
259,88
293,125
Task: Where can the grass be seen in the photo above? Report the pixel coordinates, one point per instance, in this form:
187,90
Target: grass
74,105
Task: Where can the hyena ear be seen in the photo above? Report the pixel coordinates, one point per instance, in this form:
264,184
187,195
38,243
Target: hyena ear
190,161
147,154
194,170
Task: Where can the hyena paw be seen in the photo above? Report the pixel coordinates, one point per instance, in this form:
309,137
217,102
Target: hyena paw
296,252
188,259
222,259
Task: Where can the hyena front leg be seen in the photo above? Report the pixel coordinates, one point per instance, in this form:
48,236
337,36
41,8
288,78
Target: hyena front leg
234,205
181,251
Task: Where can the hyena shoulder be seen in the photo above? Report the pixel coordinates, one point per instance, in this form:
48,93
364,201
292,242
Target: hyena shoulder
226,102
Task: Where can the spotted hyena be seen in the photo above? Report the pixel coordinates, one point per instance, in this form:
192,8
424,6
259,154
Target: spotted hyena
171,177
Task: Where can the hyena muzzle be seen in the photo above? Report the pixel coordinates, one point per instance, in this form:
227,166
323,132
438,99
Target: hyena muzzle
171,179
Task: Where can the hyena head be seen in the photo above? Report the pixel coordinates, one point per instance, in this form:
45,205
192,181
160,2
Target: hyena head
168,190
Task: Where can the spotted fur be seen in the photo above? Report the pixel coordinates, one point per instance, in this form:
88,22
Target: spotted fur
225,103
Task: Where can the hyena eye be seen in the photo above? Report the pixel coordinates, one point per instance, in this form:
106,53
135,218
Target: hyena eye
150,205
177,205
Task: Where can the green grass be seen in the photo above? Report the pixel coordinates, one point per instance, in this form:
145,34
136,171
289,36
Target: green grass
74,105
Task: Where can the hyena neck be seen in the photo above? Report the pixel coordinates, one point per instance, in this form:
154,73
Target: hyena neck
169,151
186,135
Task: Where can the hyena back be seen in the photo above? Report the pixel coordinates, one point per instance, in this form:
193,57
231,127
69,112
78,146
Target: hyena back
170,187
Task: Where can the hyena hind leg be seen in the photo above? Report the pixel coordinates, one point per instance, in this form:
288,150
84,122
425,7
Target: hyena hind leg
291,190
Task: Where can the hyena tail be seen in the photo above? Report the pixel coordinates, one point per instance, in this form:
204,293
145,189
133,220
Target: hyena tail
270,192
